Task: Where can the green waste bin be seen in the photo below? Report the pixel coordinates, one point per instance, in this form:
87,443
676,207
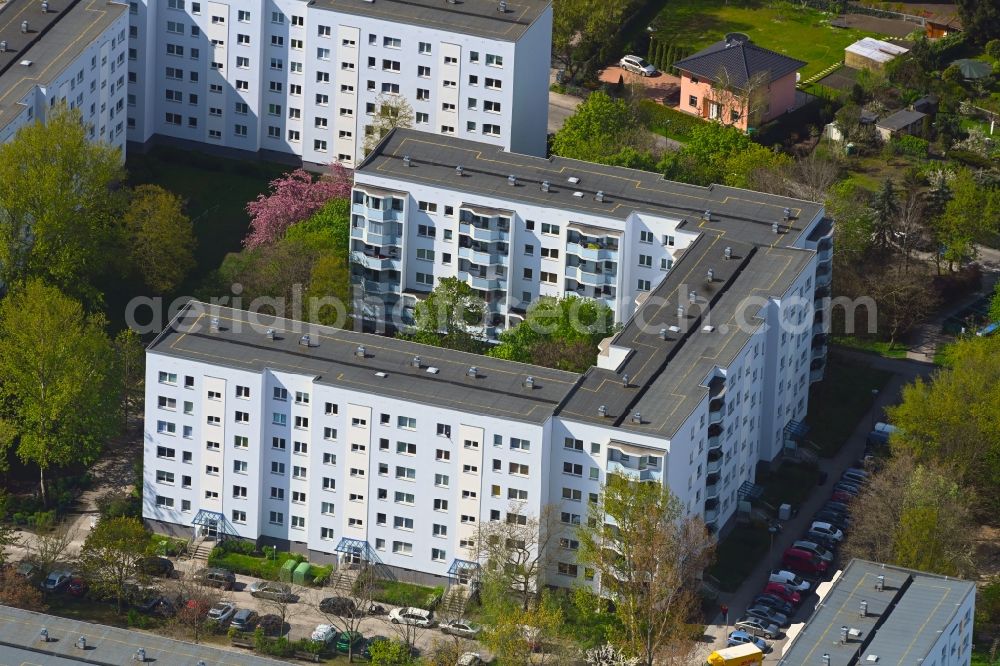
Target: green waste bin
287,570
301,575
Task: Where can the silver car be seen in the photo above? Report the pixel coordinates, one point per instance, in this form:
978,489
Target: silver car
633,63
462,628
768,614
262,589
757,627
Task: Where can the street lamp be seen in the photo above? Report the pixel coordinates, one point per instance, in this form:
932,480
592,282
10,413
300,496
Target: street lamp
874,401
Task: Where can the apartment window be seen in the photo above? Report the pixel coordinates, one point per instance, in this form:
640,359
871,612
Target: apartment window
569,518
277,17
329,433
402,548
243,40
323,53
573,469
402,523
493,84
441,480
243,417
240,492
406,422
440,505
447,129
643,285
322,77
425,279
276,518
240,130
645,261
329,458
404,498
241,442
573,444
322,100
168,378
301,422
406,473
519,444
164,402
277,467
301,448
467,519
329,484
167,428
277,493
666,263
323,30
164,477
572,494
242,62
406,448
164,502
356,522
517,494
319,145
470,469
243,16
277,64
298,472
326,533
390,65
239,516
329,408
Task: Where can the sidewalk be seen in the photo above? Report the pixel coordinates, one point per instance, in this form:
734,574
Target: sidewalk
905,371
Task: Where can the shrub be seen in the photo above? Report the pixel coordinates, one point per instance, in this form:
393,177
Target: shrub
137,620
662,119
405,594
118,504
911,145
971,159
320,574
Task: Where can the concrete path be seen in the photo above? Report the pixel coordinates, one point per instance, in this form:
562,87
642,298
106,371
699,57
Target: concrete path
904,372
561,107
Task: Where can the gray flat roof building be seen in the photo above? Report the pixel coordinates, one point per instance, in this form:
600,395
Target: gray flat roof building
20,643
473,17
908,617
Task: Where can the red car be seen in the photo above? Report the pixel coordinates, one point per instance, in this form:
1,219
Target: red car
802,561
783,592
77,587
842,496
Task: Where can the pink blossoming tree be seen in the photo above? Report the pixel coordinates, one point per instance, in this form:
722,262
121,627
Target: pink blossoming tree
292,198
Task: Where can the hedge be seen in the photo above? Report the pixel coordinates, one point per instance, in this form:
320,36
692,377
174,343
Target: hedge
251,565
406,594
659,118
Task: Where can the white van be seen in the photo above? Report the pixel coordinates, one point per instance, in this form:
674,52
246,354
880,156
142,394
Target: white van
415,616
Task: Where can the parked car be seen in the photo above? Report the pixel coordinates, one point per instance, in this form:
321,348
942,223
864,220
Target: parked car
774,602
341,606
837,507
739,637
271,625
221,613
216,577
814,548
803,561
756,627
633,63
790,580
850,488
880,434
839,520
826,529
822,540
77,587
28,569
350,641
244,620
842,496
156,566
462,628
324,633
768,615
415,616
264,589
366,652
157,604
470,659
56,580
783,592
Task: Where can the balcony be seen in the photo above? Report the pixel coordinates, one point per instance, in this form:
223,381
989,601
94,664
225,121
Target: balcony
642,472
716,405
824,256
714,466
715,417
376,214
483,283
717,387
375,287
712,490
481,258
483,234
711,515
374,262
590,279
824,277
592,252
816,369
819,328
715,443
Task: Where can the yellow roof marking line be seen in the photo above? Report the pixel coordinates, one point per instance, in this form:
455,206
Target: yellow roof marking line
919,632
446,24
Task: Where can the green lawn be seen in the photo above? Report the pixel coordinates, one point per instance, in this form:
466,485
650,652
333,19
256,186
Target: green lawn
216,191
874,346
404,594
837,403
738,554
799,32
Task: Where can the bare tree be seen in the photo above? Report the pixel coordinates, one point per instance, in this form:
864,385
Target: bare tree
647,558
813,175
193,601
904,300
391,112
408,634
17,591
739,102
447,651
347,613
518,547
46,550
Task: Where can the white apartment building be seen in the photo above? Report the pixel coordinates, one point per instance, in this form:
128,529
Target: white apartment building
345,444
71,53
304,78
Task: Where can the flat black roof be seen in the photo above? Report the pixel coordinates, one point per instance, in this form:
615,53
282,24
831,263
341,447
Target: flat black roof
471,17
54,39
241,343
903,622
743,214
901,119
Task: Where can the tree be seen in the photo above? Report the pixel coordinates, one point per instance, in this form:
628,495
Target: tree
17,591
517,636
391,112
131,360
111,555
160,237
647,558
903,299
848,120
885,209
516,550
452,316
59,207
813,176
292,198
58,377
980,20
913,515
740,102
721,154
558,333
971,214
362,593
954,419
8,539
579,28
391,653
604,130
994,313
194,602
609,655
446,651
47,549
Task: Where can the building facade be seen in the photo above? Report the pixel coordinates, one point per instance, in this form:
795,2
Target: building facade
350,445
306,78
72,54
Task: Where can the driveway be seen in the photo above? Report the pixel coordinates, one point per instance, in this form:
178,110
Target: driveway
561,107
663,88
716,633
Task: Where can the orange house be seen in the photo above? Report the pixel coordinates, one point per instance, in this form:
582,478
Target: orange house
738,83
